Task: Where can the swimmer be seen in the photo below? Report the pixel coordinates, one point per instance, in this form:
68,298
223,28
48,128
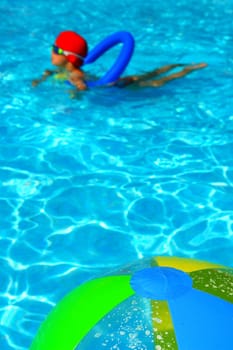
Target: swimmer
68,55
70,50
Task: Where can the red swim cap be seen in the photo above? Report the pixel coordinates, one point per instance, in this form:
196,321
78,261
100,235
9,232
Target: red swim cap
73,42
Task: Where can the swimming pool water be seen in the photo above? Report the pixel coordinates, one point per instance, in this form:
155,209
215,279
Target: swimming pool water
93,182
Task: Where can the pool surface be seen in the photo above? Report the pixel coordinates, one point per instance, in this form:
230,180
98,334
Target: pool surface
111,175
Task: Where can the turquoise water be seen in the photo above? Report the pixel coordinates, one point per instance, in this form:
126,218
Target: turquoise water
91,183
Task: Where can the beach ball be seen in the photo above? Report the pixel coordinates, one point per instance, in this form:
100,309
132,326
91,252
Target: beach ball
162,303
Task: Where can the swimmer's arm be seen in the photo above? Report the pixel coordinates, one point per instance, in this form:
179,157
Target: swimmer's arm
45,75
77,79
80,84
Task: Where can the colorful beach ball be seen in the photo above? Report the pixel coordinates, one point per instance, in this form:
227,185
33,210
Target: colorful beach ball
154,304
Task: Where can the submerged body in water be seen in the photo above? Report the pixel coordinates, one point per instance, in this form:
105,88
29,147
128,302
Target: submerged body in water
68,55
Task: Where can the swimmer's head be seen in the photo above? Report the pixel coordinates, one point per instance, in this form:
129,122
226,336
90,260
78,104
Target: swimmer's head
72,46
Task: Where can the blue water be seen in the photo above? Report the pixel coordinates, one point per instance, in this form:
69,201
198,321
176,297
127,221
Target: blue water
93,182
